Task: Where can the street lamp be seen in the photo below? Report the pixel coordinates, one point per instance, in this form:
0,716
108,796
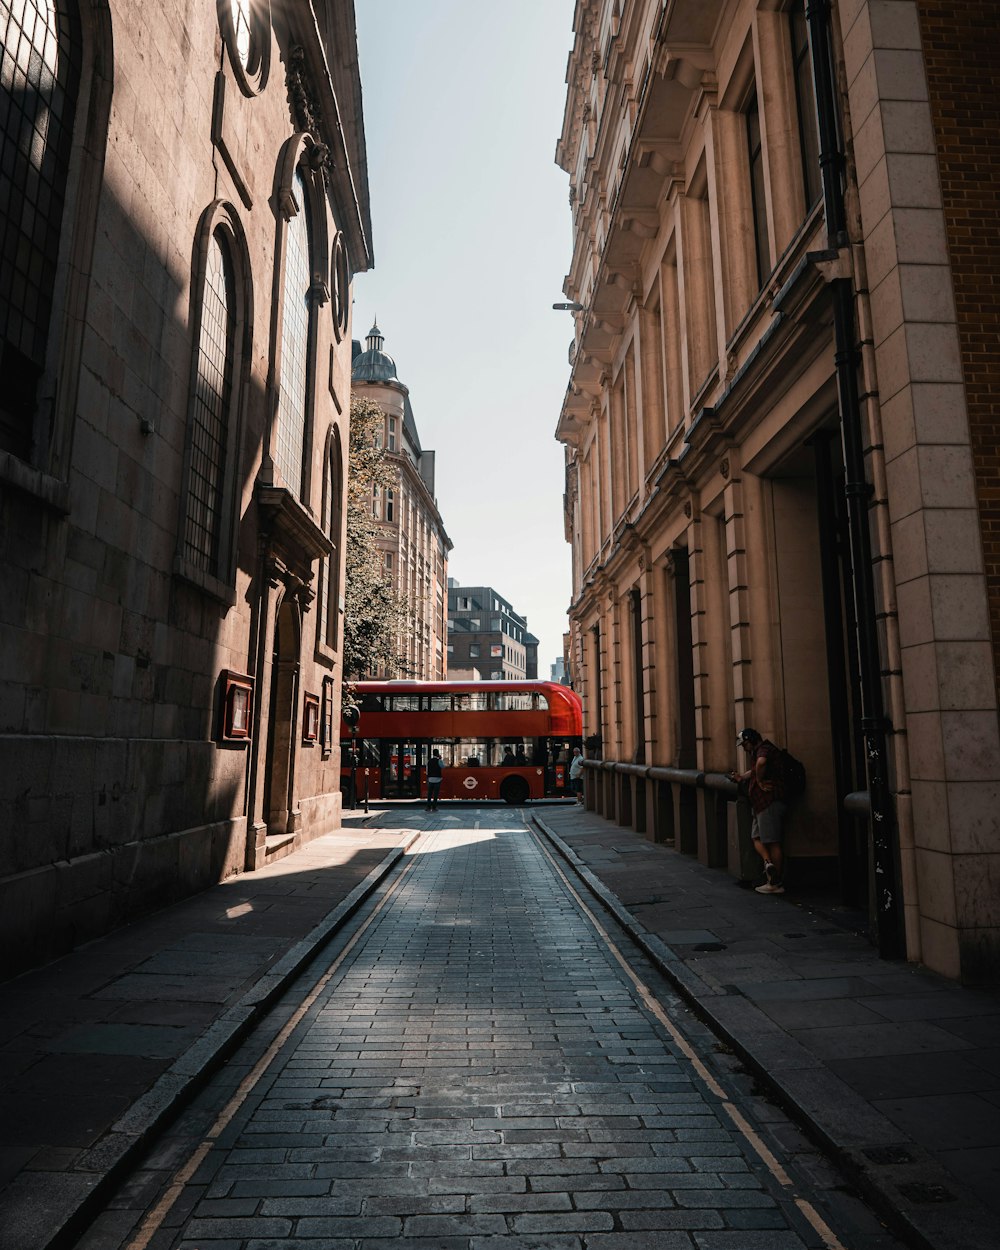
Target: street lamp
571,306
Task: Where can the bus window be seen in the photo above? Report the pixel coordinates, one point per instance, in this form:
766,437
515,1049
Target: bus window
403,703
474,701
512,701
439,702
371,702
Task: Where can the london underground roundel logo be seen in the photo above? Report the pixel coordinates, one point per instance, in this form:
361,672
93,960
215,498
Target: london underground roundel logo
470,783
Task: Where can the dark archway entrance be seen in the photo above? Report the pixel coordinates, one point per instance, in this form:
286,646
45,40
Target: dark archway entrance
279,804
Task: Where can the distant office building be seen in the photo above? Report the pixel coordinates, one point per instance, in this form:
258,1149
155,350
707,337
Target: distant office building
485,632
413,540
557,671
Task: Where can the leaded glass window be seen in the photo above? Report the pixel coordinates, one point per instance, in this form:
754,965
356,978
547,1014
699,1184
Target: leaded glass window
290,441
39,76
241,25
210,415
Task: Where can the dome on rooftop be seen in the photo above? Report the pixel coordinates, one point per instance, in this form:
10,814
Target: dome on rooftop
373,364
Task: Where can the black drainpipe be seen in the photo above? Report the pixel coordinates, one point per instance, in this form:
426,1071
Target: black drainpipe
888,901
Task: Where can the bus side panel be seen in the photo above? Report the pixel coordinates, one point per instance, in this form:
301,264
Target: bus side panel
485,783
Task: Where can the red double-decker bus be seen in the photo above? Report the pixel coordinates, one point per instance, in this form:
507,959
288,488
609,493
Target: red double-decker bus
509,740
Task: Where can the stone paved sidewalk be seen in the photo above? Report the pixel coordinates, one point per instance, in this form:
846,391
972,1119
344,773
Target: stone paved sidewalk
99,1047
894,1069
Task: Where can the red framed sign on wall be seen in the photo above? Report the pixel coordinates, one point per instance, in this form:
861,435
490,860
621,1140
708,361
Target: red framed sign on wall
237,706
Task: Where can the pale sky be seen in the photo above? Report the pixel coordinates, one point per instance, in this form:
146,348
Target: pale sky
463,105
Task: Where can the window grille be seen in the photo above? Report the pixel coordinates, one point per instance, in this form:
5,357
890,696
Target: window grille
210,413
39,76
290,444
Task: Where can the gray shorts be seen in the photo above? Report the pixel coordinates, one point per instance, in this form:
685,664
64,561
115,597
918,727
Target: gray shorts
767,824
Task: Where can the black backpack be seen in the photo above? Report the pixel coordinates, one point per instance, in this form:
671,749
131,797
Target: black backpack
792,773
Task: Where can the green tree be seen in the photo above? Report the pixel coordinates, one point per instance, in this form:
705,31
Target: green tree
374,613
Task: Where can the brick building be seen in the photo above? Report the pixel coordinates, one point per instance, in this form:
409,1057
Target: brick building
412,537
190,205
781,437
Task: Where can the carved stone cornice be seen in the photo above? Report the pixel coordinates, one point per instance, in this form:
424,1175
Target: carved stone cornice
306,112
288,531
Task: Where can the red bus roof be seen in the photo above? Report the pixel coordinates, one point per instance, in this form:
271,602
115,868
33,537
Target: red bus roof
561,699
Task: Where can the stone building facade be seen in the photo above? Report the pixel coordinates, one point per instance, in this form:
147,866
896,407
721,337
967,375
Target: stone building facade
781,442
412,536
190,205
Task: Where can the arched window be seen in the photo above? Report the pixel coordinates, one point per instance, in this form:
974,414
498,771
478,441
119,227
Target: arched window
40,54
295,343
220,317
246,30
210,414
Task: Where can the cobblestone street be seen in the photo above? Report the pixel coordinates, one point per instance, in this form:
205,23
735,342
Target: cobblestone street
478,1071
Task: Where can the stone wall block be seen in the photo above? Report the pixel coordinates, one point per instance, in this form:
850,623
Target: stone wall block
875,197
939,413
869,145
864,92
894,24
946,479
920,237
887,308
916,619
27,908
909,549
958,607
893,361
906,127
954,544
965,674
974,808
903,485
939,947
933,352
898,423
858,43
936,886
924,738
971,745
913,180
900,74
977,891
920,678
926,293
930,817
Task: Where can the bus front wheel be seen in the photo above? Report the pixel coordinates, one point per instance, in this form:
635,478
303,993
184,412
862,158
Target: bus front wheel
514,790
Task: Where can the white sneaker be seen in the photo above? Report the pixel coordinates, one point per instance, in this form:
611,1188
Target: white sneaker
770,888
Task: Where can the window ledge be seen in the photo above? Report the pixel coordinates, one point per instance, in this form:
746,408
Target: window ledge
210,584
51,491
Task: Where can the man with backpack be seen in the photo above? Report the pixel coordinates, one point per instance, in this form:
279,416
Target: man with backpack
767,787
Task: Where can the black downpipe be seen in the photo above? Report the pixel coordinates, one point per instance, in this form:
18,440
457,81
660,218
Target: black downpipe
888,902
